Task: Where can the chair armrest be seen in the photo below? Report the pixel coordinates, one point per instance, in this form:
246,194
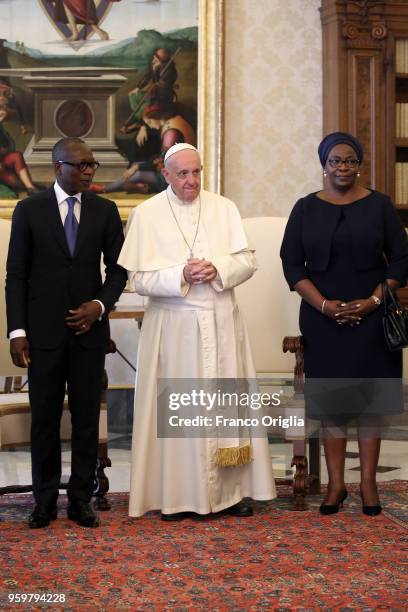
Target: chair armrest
294,344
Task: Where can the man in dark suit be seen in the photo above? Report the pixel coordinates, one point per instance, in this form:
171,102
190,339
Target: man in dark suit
57,312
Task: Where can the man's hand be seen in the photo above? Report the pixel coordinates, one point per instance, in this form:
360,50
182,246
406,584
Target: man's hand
81,319
198,271
141,136
130,171
20,352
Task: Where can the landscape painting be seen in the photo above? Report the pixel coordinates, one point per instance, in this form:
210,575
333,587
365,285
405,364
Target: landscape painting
121,74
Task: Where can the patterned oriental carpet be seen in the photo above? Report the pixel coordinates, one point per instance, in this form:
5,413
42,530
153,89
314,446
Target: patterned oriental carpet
277,560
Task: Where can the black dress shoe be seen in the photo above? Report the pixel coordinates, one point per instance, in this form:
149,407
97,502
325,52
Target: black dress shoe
239,509
176,516
370,510
41,516
327,509
83,514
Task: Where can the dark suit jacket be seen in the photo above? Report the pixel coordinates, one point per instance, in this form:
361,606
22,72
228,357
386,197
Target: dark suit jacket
44,281
377,237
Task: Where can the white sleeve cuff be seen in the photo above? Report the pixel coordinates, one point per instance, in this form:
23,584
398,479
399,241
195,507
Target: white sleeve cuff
185,286
103,308
17,333
168,282
217,283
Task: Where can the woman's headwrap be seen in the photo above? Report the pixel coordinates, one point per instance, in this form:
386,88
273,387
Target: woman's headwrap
335,138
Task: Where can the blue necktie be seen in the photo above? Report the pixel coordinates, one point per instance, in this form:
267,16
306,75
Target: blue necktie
71,225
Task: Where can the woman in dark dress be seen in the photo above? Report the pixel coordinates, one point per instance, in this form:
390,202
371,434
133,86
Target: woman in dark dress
340,245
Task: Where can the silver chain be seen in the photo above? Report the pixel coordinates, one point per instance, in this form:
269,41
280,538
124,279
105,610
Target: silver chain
190,248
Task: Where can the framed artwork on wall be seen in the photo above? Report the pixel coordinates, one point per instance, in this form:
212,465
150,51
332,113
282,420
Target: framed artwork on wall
130,77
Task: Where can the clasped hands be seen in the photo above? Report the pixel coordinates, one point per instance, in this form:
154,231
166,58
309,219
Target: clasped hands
349,313
82,318
198,271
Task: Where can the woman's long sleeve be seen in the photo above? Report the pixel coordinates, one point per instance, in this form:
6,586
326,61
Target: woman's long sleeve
292,252
395,245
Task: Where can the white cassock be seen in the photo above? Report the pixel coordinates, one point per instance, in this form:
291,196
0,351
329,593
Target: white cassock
189,332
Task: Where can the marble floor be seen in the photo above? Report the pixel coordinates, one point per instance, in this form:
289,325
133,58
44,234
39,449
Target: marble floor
393,464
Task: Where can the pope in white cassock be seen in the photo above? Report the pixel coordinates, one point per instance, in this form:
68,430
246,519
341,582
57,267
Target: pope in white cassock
186,250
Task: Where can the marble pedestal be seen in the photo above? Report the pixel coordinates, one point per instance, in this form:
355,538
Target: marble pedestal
73,102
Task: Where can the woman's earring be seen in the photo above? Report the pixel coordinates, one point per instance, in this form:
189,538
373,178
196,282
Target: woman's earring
358,173
324,173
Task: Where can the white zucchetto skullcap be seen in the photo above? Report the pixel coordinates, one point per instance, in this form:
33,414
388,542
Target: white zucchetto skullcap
179,147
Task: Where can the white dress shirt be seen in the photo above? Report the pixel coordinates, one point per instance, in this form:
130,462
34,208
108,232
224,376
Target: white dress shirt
63,204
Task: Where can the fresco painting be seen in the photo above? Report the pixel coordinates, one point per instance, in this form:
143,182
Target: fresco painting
121,74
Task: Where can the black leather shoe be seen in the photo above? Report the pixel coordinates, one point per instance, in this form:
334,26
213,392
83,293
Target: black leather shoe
327,509
239,509
176,516
83,514
41,516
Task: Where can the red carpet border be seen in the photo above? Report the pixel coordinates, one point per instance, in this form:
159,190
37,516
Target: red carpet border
278,560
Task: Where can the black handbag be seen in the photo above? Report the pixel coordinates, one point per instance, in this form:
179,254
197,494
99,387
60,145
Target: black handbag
395,321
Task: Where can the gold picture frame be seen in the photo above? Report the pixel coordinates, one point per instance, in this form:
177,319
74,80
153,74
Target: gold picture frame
209,102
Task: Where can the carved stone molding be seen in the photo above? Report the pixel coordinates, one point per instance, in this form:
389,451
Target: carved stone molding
379,30
365,22
350,30
371,32
364,8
